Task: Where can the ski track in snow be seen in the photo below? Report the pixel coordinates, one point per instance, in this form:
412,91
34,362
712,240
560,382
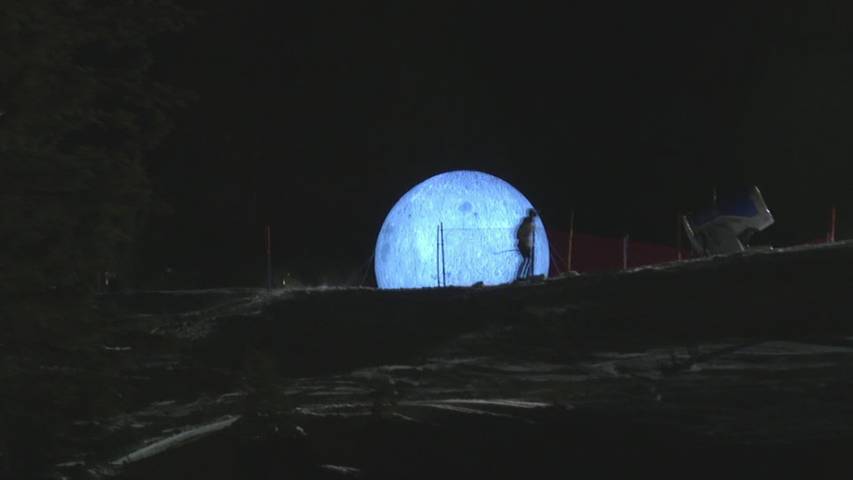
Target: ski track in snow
186,436
456,409
342,470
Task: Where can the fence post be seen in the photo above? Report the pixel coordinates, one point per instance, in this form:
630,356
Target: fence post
443,273
437,256
830,236
269,257
571,240
678,229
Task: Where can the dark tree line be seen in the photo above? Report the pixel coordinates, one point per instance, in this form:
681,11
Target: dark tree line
79,116
79,113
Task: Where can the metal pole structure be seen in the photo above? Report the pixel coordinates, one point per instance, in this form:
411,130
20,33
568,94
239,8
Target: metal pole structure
625,252
678,236
830,236
269,258
443,273
437,256
571,241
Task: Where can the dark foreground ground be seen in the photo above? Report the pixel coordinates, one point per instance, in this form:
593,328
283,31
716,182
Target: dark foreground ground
728,367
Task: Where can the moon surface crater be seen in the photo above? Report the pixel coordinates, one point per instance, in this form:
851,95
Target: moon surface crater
479,214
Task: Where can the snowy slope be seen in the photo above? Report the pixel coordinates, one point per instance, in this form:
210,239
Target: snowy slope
710,357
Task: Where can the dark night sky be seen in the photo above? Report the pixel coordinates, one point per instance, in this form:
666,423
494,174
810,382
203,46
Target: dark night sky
317,117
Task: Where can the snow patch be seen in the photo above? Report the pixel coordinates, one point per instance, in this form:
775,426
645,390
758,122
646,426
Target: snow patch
176,440
453,408
792,348
496,402
342,470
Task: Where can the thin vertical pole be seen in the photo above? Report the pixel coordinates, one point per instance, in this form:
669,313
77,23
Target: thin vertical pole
443,273
830,236
571,241
437,256
269,257
625,252
678,236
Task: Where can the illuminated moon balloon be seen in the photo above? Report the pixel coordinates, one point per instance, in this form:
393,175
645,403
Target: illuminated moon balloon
479,214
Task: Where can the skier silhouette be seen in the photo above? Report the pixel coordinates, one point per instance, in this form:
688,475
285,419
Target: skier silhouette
525,236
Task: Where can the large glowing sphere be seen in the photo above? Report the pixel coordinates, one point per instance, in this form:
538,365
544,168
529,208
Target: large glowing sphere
479,214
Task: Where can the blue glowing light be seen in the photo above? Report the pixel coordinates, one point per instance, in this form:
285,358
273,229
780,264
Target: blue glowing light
480,214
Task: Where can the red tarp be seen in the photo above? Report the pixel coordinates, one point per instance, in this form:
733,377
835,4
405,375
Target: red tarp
591,253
